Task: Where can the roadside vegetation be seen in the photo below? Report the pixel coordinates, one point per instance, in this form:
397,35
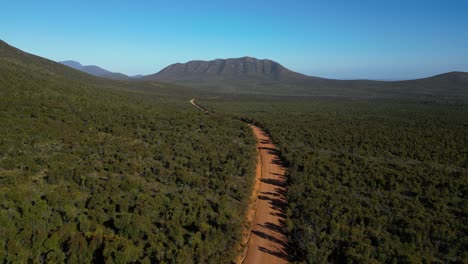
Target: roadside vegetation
101,171
369,181
90,173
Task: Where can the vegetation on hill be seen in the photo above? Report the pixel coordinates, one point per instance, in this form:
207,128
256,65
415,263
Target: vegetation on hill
369,182
253,76
239,68
95,170
90,172
95,70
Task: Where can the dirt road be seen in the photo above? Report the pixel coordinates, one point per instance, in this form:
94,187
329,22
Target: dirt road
192,101
266,240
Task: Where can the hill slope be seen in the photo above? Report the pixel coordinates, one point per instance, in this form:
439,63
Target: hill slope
241,68
93,173
250,75
18,58
13,58
95,70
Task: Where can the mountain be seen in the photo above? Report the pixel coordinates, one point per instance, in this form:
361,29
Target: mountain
13,58
95,70
73,64
254,76
241,68
238,75
16,66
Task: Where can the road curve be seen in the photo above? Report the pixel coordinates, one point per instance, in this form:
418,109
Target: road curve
192,101
266,240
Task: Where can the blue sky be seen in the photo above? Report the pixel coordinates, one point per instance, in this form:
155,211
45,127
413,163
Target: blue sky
375,39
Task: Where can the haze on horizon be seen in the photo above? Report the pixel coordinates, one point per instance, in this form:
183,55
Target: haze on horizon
333,39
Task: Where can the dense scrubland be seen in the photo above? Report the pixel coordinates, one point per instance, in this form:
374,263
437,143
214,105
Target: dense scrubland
90,172
369,181
94,170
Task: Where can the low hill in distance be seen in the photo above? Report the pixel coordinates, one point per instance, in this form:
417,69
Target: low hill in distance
95,70
254,76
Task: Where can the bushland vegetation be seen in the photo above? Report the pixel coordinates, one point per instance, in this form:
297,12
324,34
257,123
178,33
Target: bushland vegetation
93,174
369,182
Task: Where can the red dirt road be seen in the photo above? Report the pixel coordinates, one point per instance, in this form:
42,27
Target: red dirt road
267,239
266,216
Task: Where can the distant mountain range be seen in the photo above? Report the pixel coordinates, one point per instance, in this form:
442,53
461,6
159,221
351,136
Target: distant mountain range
250,75
95,70
253,76
23,71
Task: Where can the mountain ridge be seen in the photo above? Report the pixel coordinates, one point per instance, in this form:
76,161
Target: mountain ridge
248,75
251,75
193,66
243,67
95,70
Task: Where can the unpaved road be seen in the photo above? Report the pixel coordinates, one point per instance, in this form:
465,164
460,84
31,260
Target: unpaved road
266,240
192,101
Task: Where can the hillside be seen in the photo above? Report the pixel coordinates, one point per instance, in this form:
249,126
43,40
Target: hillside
91,172
252,76
18,58
95,70
50,71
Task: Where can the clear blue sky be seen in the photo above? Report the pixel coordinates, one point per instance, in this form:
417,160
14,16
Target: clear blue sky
394,39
